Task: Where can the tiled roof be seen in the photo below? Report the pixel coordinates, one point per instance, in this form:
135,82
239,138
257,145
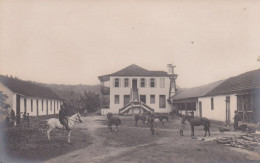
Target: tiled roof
245,81
134,70
27,88
194,92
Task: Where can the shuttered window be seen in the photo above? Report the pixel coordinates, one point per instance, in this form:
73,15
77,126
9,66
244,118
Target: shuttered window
116,82
152,82
162,82
142,82
162,101
152,99
116,99
126,82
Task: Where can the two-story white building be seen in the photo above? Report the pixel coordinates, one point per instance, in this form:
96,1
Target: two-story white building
136,90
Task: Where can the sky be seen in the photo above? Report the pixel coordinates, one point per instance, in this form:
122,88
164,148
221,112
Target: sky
74,42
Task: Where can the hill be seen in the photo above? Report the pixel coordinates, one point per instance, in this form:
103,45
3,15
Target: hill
72,91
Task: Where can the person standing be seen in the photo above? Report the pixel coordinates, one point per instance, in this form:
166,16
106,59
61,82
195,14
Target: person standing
236,119
182,126
28,120
151,123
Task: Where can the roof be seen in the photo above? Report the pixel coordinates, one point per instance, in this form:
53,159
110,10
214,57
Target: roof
28,88
186,93
245,81
134,70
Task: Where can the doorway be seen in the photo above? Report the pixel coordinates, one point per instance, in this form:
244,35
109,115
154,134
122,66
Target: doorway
134,83
227,109
18,97
200,109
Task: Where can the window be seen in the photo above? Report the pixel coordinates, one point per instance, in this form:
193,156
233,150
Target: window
54,104
142,82
116,82
126,99
25,105
152,82
126,82
162,82
162,101
152,99
31,105
42,105
116,99
143,98
212,103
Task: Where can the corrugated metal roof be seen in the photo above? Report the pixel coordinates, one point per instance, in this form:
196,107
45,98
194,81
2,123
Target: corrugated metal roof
245,81
28,88
134,70
194,92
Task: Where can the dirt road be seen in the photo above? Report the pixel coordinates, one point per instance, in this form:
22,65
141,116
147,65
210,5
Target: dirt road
135,144
95,152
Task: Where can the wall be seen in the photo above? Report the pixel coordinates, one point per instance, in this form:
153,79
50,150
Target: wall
147,90
219,111
32,109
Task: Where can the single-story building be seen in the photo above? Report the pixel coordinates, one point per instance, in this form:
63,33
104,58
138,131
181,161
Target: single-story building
29,97
239,93
219,100
186,99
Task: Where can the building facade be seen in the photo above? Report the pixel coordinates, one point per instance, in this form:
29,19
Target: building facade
239,93
27,97
219,100
136,90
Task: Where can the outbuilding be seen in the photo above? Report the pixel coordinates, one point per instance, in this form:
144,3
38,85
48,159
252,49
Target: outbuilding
29,97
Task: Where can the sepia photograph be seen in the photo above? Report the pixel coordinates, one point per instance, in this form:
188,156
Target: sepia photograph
133,81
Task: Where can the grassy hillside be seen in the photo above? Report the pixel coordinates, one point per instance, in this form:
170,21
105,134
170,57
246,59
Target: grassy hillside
72,91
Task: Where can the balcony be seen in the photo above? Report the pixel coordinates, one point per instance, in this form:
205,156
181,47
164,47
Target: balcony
105,90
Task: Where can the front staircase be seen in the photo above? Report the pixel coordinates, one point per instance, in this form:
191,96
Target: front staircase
135,104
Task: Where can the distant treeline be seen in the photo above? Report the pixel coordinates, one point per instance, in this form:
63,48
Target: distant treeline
72,91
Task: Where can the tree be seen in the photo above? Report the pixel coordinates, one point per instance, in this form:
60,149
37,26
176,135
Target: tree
4,107
3,98
89,101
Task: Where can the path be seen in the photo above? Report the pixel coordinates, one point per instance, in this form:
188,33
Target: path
153,151
96,152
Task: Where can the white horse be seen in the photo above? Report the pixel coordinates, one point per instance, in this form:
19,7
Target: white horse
55,123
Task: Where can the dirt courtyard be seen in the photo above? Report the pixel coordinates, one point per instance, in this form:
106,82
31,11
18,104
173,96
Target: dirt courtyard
136,144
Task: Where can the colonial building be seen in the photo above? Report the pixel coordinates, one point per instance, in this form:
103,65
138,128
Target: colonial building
28,97
136,90
187,99
219,100
241,93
